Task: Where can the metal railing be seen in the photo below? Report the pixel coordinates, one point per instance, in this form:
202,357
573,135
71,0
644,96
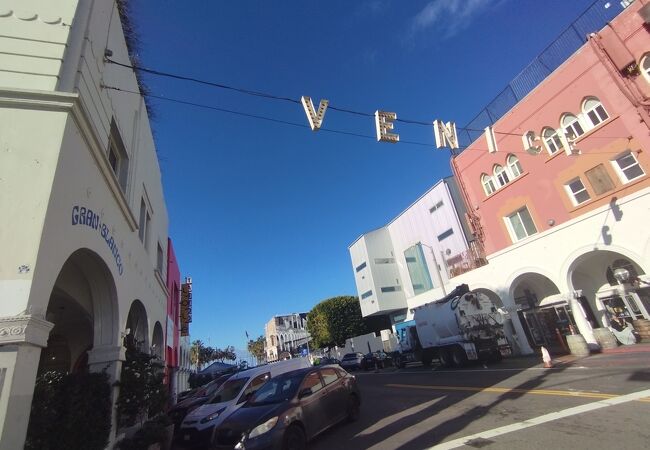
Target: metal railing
571,39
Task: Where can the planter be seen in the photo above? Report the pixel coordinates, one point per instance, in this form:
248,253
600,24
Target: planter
605,338
577,345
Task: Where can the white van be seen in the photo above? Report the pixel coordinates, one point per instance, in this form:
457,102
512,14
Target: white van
199,425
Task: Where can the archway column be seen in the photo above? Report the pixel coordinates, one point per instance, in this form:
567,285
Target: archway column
520,334
109,358
21,340
584,327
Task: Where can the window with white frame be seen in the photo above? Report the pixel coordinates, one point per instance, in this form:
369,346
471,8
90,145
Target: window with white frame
577,191
572,126
144,224
645,66
520,224
514,165
552,141
594,111
628,167
160,262
117,156
488,184
501,175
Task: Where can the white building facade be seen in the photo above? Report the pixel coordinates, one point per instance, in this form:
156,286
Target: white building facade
285,334
83,229
409,261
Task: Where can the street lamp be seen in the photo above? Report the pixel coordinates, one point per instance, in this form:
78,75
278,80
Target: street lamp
622,275
435,263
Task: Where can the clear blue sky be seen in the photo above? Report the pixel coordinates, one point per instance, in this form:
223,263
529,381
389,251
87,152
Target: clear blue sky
262,213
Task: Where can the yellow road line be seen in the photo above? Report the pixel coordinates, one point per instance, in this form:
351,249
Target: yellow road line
498,390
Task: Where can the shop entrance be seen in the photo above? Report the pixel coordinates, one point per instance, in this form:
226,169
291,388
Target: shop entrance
547,326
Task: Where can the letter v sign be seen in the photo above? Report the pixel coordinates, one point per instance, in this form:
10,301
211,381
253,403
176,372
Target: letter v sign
315,119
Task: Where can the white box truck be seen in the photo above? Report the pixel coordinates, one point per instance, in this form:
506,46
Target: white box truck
464,326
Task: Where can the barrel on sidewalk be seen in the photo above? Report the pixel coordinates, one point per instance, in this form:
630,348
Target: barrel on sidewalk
577,345
642,326
605,338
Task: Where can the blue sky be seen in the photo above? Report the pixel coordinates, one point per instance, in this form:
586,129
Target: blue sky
261,213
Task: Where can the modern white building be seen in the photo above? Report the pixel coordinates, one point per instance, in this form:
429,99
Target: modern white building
409,261
287,333
83,229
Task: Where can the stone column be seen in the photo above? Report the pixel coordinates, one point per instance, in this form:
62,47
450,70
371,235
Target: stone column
21,340
584,327
109,358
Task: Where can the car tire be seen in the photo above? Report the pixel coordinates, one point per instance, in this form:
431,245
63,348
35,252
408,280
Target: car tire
294,439
353,409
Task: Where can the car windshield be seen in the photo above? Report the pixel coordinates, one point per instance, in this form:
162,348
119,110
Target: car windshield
277,390
229,390
350,356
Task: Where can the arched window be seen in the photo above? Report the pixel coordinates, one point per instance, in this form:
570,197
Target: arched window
552,141
514,166
594,111
644,66
488,184
501,175
572,126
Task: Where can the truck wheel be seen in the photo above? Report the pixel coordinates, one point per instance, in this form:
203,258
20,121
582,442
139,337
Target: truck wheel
496,357
445,358
459,356
426,360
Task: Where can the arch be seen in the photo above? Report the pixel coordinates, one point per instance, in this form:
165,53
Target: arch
552,141
530,287
137,327
593,111
488,184
158,341
572,126
592,273
501,175
514,166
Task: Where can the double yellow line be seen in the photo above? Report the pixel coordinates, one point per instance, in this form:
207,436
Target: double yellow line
498,390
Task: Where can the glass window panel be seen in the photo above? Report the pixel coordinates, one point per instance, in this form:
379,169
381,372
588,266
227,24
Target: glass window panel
527,221
517,227
418,270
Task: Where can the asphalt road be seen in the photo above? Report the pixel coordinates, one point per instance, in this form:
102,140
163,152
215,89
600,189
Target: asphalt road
597,402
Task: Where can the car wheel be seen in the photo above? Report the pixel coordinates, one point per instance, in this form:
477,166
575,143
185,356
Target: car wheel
353,409
294,439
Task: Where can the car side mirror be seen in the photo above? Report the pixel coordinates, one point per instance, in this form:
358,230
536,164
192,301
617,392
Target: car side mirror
305,393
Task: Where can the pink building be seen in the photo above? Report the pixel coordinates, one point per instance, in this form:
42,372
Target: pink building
172,336
562,205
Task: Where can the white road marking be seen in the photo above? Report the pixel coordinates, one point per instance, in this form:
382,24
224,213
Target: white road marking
543,419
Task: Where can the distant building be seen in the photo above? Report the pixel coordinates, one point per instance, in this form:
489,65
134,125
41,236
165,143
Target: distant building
407,262
286,335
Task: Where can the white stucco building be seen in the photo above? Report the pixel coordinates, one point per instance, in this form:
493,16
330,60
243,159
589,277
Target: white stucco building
83,229
409,261
287,333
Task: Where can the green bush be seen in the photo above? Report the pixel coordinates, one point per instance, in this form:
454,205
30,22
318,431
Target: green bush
70,411
142,392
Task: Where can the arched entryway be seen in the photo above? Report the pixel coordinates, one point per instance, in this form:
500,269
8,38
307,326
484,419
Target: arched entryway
158,342
83,309
610,283
544,313
137,328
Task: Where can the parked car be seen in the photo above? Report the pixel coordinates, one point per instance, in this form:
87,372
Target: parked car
327,360
352,361
291,409
201,395
197,429
377,360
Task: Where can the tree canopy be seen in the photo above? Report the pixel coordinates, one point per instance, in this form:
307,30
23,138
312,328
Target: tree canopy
256,348
200,354
334,320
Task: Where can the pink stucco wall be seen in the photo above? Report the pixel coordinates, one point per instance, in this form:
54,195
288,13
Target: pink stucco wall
173,305
541,186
